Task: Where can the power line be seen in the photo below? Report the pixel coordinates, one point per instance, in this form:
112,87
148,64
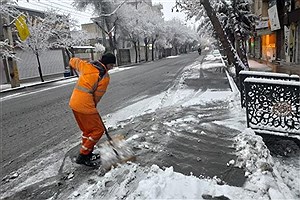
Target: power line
74,12
71,11
67,6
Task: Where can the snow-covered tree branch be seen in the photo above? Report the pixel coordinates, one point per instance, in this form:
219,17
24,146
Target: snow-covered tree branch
232,22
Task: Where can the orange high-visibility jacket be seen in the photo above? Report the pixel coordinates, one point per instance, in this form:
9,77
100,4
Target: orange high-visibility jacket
90,87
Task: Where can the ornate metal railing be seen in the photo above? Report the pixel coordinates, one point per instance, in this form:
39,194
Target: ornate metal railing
269,75
273,105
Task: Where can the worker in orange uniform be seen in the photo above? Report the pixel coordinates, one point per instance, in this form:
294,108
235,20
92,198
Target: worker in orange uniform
89,89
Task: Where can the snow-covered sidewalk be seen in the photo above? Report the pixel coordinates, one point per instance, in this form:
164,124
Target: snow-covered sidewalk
193,109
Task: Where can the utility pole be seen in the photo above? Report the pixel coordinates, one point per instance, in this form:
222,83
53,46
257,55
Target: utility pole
3,59
12,64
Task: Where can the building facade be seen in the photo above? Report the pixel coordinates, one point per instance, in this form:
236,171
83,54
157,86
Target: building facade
95,34
276,40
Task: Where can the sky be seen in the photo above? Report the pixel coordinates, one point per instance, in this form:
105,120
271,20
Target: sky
65,7
133,181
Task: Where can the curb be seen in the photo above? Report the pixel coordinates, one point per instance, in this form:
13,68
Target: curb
54,80
34,84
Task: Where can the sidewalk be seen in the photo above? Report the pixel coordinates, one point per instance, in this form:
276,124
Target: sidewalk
256,66
32,82
287,68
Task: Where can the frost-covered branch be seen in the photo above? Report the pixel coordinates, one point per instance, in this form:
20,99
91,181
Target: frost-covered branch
6,50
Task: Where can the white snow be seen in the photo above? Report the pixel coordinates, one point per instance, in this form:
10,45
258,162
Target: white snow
266,177
271,81
172,56
263,73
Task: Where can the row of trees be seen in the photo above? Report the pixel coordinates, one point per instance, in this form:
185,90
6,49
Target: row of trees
144,23
230,21
136,22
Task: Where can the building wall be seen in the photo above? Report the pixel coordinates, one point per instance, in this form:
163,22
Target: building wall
51,63
261,8
257,47
94,32
280,46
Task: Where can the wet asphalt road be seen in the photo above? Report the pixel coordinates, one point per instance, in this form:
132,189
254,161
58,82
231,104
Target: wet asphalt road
38,118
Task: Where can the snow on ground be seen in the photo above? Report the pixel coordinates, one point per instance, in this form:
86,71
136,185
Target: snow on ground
264,175
256,66
267,178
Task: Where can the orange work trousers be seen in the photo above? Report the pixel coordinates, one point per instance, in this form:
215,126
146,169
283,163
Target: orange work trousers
92,130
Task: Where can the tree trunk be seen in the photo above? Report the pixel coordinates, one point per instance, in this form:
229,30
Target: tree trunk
239,41
39,67
241,50
152,53
146,48
111,46
231,52
139,50
136,52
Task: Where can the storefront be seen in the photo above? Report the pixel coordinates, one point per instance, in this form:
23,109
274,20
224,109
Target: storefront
268,47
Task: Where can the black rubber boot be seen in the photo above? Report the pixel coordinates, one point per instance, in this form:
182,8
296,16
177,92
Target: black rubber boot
94,156
85,160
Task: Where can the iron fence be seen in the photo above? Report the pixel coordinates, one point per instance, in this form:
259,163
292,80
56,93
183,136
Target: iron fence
256,74
273,105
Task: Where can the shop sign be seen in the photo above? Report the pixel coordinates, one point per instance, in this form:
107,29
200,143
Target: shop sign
286,42
261,24
273,16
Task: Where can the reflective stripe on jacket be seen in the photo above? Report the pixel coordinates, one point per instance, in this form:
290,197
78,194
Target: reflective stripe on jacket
89,88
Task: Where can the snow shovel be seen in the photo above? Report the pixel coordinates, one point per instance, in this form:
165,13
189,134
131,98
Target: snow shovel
116,150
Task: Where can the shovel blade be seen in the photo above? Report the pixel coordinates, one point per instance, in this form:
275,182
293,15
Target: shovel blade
116,152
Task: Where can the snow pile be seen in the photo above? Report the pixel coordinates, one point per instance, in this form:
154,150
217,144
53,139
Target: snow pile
263,176
167,184
289,172
253,153
132,181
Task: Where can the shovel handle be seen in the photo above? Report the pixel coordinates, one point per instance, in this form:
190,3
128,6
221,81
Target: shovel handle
109,138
